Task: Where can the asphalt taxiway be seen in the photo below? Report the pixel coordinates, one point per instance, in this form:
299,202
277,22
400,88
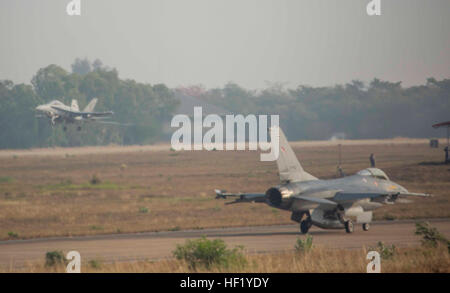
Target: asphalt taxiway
159,245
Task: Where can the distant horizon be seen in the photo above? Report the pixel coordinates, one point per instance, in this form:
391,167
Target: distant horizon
268,83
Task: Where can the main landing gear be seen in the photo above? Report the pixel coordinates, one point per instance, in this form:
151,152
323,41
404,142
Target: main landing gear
65,128
349,226
366,226
305,224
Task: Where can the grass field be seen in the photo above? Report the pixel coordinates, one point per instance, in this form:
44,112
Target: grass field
317,260
82,192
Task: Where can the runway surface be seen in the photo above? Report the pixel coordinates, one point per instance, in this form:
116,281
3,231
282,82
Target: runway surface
159,245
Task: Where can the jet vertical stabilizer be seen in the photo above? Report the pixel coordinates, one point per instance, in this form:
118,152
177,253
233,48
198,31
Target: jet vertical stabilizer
288,165
90,107
74,106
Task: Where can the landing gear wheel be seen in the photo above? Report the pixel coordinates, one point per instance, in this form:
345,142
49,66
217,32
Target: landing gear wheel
79,128
349,226
366,226
305,225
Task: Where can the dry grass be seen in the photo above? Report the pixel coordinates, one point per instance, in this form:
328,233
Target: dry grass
318,260
43,196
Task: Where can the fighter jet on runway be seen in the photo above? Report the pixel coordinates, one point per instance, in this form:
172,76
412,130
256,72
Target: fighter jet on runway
60,113
328,204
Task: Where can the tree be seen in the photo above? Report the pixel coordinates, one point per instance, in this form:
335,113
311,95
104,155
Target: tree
81,66
97,65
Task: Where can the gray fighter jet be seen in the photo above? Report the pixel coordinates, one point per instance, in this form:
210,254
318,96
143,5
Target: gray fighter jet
328,204
60,113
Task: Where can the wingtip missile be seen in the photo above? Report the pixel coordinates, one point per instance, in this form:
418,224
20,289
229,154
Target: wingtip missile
220,193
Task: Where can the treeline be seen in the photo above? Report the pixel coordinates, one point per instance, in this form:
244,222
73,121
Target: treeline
380,109
143,107
356,110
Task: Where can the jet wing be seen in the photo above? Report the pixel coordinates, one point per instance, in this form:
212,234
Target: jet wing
415,194
111,122
241,197
350,196
68,112
316,200
354,196
97,114
83,114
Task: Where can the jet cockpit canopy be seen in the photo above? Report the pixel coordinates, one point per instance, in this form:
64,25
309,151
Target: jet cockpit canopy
56,103
374,172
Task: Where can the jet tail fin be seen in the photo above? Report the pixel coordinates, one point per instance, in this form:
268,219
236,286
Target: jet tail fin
74,106
90,107
288,165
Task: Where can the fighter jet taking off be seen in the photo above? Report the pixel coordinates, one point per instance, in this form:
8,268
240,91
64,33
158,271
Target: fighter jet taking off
60,113
328,204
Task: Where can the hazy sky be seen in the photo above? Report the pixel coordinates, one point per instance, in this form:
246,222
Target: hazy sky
182,42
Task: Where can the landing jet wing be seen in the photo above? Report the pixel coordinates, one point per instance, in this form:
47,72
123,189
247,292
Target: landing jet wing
97,114
241,197
83,114
112,123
